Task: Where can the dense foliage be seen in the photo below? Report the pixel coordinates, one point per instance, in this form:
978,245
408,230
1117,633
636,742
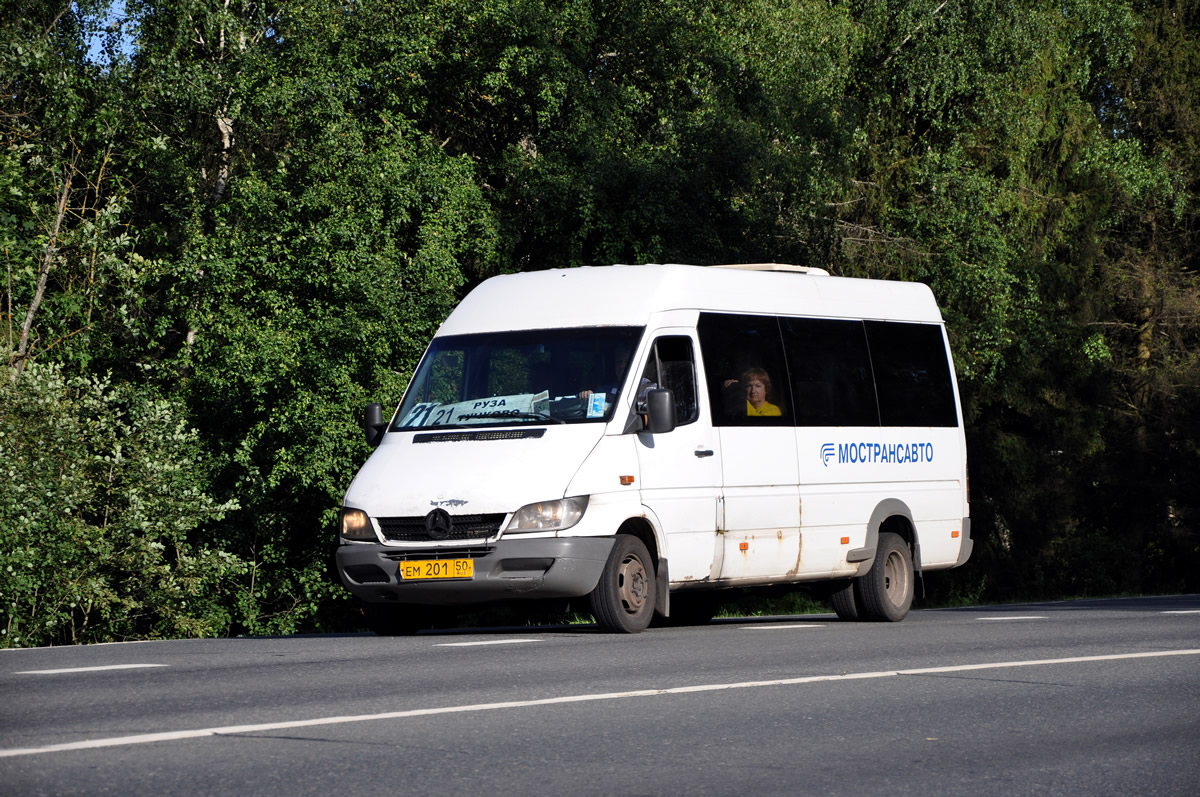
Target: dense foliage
226,226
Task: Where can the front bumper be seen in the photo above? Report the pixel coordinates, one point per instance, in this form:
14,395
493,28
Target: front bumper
557,567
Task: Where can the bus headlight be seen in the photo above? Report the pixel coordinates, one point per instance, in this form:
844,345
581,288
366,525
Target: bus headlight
356,526
548,515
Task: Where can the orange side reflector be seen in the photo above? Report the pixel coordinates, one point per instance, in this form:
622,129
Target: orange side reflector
954,535
845,540
626,480
745,546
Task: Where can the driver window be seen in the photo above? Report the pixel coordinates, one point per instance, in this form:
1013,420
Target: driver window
671,365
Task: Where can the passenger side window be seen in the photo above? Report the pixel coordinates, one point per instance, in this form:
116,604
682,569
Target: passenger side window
912,374
672,365
831,372
744,363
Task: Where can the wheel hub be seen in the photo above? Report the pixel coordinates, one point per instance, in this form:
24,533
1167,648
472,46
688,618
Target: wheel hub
894,578
634,585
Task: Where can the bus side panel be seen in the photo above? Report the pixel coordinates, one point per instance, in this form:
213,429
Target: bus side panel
845,472
762,506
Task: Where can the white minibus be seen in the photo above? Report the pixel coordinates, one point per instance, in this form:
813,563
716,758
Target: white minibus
650,437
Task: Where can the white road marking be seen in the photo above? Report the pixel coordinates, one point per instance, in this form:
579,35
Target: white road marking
778,627
88,669
166,736
1025,617
486,642
1183,611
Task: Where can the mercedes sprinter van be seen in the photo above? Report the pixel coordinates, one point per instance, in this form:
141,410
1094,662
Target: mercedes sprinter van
648,437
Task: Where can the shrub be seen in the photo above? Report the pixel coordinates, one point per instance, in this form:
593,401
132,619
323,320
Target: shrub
101,515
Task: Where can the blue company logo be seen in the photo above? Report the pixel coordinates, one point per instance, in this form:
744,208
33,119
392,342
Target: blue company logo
882,453
827,452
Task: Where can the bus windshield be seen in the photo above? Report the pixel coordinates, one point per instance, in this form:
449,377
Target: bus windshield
521,377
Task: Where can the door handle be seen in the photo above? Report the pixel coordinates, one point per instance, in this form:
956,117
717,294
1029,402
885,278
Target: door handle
704,452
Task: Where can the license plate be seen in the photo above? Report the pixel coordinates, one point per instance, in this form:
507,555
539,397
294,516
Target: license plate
437,568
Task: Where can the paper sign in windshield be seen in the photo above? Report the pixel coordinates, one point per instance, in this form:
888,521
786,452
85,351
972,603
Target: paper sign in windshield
484,410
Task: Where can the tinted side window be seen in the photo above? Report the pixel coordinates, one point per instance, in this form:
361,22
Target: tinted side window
912,375
744,363
672,366
831,372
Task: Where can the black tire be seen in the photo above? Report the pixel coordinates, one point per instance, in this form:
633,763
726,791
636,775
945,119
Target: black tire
690,609
623,600
391,619
885,593
844,602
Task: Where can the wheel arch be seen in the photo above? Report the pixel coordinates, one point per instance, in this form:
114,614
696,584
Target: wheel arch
891,514
646,531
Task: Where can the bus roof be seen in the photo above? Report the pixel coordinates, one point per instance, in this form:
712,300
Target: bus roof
628,295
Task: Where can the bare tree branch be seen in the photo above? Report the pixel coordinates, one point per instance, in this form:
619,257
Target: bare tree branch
18,359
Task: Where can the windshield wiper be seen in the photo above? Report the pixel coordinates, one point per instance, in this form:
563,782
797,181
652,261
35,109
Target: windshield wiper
515,414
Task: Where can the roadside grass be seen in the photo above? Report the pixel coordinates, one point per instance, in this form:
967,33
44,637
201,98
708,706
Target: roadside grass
754,605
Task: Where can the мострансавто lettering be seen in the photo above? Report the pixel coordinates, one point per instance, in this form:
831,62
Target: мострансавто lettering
882,453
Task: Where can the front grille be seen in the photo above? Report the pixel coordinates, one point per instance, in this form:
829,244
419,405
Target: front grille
441,552
463,527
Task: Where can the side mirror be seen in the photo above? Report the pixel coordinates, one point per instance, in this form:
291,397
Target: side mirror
373,424
660,411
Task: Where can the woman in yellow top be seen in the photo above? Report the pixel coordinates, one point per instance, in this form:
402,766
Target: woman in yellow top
758,387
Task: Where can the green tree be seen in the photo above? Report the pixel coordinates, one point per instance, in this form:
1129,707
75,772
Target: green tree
1150,323
322,247
987,164
252,222
106,484
70,275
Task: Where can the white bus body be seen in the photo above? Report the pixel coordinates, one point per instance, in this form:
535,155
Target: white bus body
597,432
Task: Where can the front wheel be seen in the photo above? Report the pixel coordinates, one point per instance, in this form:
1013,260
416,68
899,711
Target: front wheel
885,593
844,602
623,600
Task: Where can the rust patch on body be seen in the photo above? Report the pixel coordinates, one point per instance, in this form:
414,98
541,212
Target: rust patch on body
799,555
799,543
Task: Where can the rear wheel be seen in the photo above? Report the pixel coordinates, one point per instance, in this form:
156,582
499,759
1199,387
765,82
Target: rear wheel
623,600
885,593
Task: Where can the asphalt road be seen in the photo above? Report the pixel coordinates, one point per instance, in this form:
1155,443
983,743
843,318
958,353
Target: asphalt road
1076,698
